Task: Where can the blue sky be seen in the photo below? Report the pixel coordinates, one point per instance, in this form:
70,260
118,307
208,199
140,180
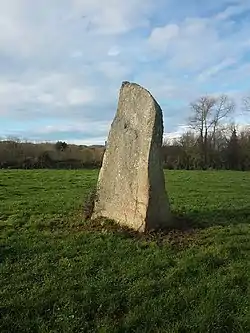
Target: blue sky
62,61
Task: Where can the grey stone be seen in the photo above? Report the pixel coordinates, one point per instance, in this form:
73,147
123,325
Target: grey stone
131,186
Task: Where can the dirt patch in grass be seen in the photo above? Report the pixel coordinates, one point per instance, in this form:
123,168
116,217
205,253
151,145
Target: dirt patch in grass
182,235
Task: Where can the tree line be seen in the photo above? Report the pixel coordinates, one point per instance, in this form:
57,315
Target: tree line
229,149
15,154
212,140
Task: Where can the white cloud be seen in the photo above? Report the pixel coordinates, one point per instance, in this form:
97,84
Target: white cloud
85,127
114,16
53,89
181,129
216,68
161,36
193,44
233,10
27,27
45,98
78,96
99,140
11,31
76,54
114,51
113,69
200,44
68,57
83,132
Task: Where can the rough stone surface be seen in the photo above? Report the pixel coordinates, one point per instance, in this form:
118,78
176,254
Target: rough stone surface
131,186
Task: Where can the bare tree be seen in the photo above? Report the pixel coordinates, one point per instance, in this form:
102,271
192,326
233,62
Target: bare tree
207,115
246,104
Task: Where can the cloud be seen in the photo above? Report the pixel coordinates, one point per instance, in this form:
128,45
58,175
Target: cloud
161,36
113,69
55,90
113,51
77,96
62,62
90,132
232,11
217,68
181,129
114,16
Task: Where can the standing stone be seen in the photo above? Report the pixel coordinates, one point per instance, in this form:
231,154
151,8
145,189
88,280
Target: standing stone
131,187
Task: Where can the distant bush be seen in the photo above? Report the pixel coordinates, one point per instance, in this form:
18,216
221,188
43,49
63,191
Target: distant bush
15,154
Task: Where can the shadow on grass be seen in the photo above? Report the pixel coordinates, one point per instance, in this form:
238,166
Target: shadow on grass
212,218
178,235
185,225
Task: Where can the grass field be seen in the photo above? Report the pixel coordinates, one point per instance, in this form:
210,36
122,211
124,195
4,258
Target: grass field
61,274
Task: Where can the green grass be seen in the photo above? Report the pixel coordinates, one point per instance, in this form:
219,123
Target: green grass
61,274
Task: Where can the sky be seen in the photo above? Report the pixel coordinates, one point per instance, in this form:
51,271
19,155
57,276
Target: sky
62,62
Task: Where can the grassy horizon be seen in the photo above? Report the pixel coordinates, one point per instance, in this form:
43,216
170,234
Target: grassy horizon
61,274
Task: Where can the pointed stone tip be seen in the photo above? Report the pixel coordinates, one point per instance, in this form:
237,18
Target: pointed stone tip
124,83
137,86
127,83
